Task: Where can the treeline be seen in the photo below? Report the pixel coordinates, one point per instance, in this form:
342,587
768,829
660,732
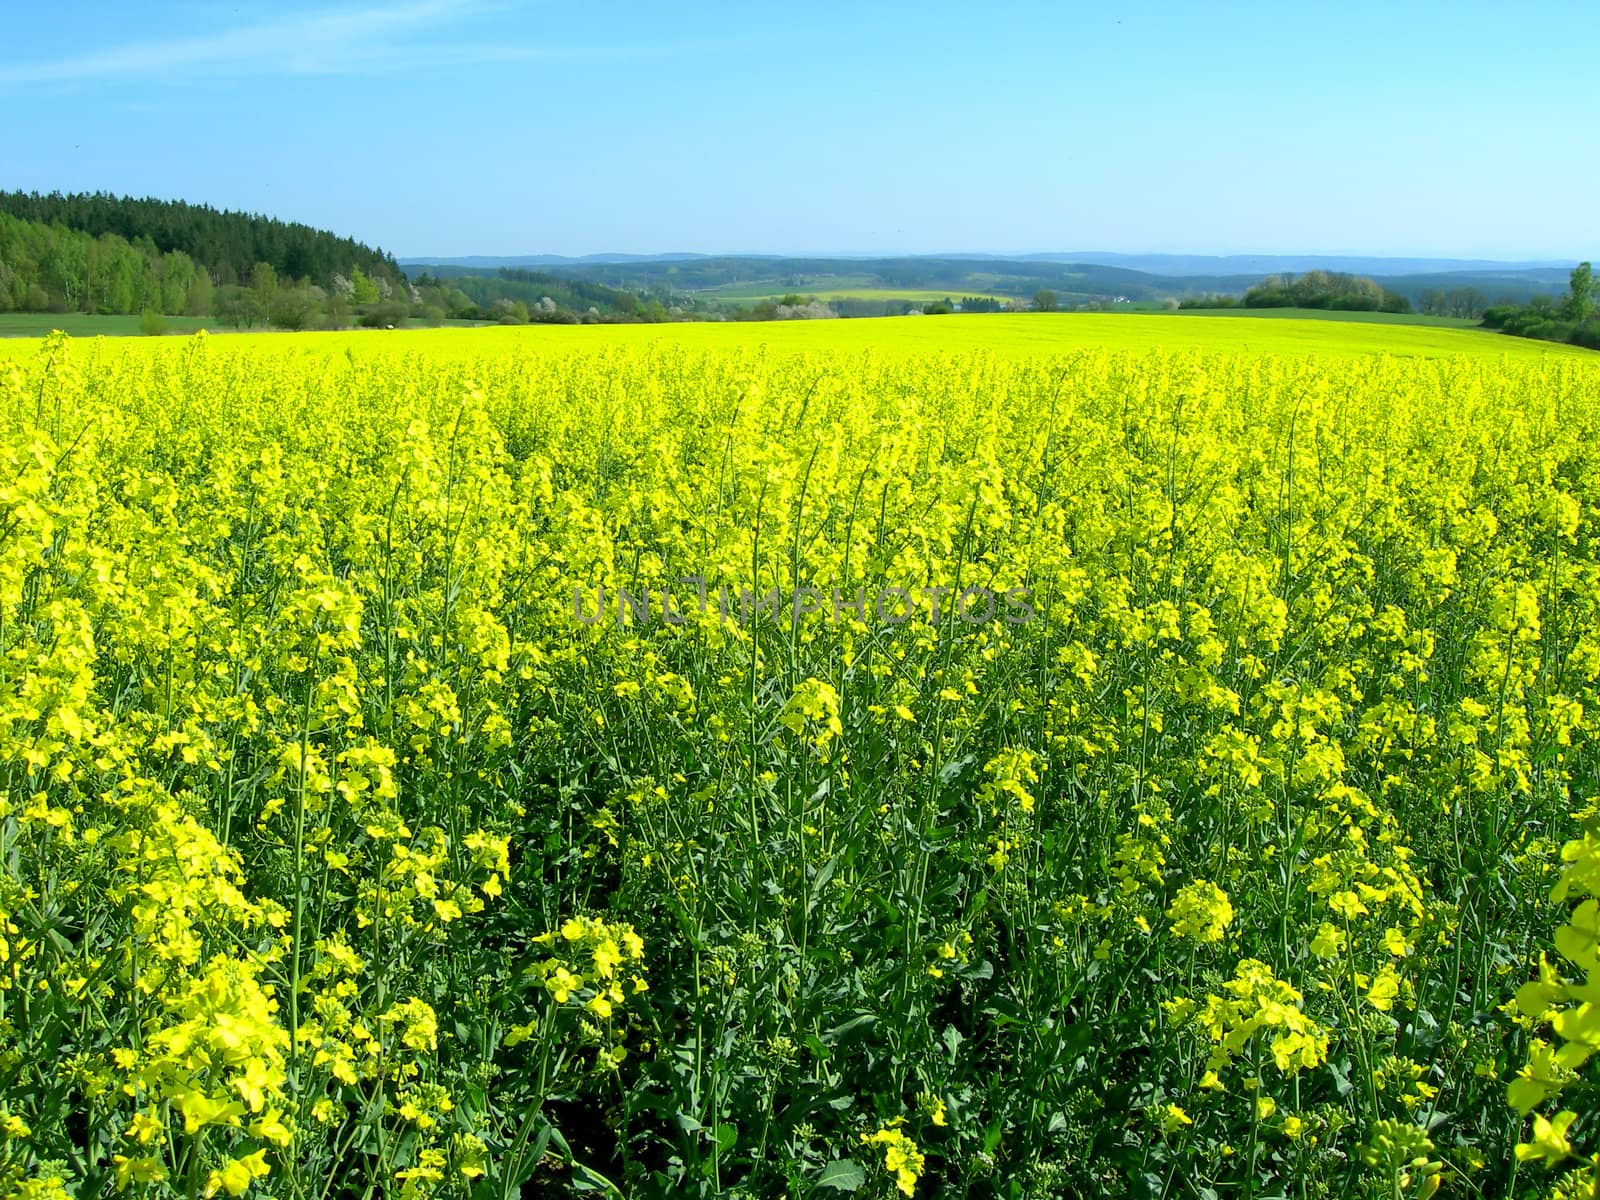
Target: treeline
510,293
361,300
1467,302
50,268
356,299
429,300
1573,318
230,244
1327,290
798,306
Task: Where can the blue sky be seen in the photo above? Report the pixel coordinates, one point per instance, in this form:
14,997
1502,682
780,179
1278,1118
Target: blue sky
501,127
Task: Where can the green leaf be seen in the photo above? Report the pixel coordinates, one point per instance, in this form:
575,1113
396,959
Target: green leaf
823,876
586,1179
1341,1078
842,1174
952,1041
856,1024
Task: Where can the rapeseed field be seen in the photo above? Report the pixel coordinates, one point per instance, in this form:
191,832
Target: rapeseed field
1012,337
1000,757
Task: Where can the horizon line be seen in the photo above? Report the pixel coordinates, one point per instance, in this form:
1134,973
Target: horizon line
1537,260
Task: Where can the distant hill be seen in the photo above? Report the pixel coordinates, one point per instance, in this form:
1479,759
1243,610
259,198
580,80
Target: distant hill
1211,266
490,288
739,275
490,262
733,280
1279,264
1536,280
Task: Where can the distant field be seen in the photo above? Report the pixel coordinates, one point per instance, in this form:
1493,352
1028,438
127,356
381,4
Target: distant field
1010,336
87,325
768,290
746,293
32,325
1333,314
752,293
911,294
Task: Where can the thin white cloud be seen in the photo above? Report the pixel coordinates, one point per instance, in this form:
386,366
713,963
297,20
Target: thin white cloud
311,44
381,59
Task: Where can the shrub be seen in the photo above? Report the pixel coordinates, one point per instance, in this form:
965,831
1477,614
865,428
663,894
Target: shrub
294,308
388,314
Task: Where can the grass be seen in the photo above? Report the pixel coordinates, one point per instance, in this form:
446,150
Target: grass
31,325
36,325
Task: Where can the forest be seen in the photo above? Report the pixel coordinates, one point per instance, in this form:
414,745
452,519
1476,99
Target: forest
102,254
230,244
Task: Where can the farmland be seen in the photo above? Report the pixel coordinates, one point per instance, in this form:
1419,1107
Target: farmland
1003,756
1006,336
845,290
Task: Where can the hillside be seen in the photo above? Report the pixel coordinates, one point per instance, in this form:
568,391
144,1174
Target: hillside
229,244
1155,264
734,280
739,279
105,256
101,254
542,293
1278,264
